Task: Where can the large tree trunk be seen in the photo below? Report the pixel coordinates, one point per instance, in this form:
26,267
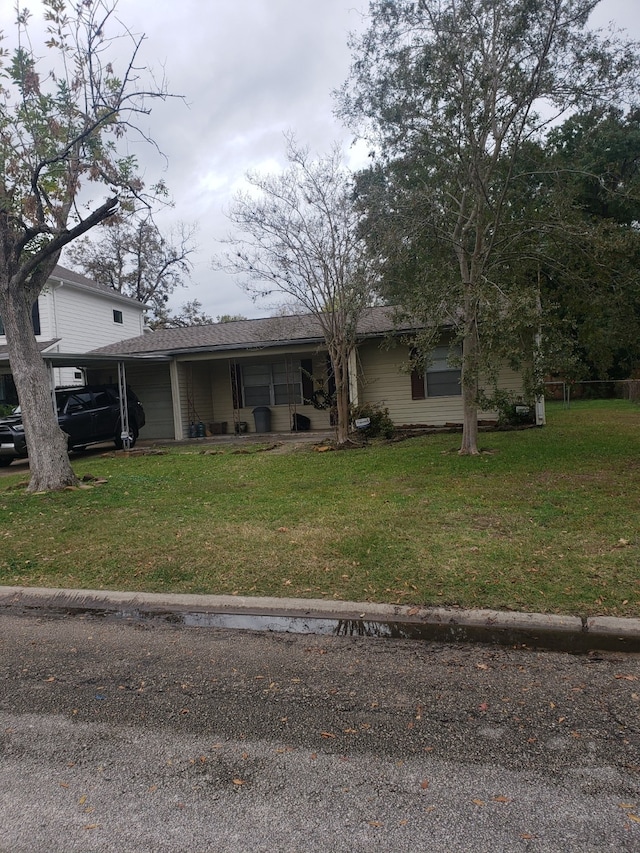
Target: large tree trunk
340,375
48,458
469,379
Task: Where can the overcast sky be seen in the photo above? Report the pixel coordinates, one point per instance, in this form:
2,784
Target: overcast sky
249,70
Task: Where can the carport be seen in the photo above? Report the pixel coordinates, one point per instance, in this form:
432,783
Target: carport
97,364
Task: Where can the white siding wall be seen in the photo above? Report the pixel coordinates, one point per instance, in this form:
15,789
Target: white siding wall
84,319
47,319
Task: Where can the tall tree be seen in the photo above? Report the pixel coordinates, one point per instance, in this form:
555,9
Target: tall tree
190,313
594,283
60,125
129,254
452,92
297,235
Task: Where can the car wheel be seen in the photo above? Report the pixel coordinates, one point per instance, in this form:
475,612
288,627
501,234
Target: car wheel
133,436
5,461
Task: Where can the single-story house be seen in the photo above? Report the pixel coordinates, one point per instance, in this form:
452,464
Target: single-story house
213,378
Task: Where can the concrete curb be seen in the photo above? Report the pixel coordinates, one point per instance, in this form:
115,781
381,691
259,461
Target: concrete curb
298,615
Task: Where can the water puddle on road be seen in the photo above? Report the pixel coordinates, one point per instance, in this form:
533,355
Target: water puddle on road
448,632
302,625
440,632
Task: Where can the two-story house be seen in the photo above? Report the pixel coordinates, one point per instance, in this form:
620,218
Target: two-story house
74,315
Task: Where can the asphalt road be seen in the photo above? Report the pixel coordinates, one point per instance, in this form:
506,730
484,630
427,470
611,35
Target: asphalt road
118,736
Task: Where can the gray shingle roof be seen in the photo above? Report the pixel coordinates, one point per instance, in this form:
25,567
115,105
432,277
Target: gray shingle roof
63,274
246,334
43,346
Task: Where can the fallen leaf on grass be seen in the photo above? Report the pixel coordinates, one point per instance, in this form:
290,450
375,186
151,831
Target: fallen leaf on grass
424,784
501,799
527,836
376,823
239,782
633,817
626,677
478,802
327,734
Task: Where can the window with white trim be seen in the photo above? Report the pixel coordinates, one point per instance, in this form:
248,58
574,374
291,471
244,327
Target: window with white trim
277,383
441,378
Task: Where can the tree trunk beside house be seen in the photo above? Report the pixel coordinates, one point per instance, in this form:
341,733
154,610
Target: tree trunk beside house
47,444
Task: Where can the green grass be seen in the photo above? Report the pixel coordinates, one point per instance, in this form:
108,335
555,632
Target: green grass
544,520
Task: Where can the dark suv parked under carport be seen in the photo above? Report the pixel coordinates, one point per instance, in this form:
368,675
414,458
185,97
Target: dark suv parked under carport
88,414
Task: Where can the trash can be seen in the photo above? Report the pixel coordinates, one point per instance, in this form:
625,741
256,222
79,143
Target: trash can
262,417
300,423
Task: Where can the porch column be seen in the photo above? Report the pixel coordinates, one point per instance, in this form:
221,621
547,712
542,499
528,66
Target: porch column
353,378
178,433
52,384
124,407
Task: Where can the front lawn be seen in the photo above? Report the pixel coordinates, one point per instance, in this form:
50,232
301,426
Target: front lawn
544,520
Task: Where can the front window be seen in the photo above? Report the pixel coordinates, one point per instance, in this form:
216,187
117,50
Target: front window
272,384
443,379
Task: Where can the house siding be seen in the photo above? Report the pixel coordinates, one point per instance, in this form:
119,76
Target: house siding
152,386
206,393
84,320
80,320
385,380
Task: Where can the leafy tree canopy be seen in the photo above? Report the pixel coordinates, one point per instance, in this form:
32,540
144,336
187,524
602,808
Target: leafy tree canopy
65,108
454,95
592,281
